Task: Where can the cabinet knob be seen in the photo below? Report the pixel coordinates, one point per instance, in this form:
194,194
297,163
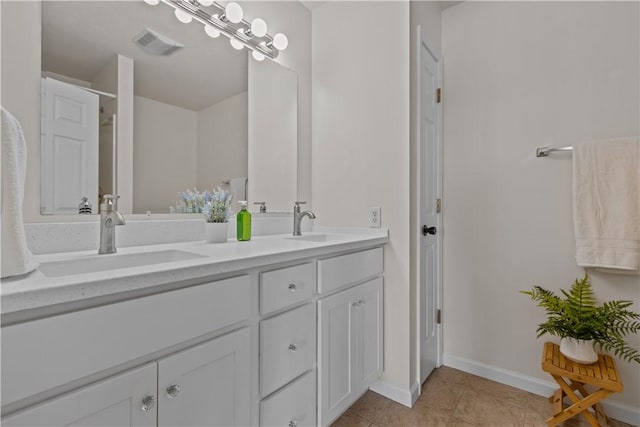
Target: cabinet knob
293,423
360,302
173,391
293,347
148,402
292,287
355,305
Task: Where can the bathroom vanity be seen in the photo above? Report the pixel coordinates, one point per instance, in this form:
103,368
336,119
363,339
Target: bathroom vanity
276,331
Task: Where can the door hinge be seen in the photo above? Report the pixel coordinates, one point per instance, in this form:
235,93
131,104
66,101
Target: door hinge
438,205
438,316
438,95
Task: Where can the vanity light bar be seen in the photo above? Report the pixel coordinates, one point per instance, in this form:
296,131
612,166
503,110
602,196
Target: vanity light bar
240,31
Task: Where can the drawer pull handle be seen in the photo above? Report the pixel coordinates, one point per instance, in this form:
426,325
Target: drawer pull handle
148,402
173,391
293,347
293,423
292,287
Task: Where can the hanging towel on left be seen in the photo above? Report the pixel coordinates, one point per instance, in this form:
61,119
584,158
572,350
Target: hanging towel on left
606,203
16,256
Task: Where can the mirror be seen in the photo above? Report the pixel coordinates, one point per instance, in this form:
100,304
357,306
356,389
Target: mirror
203,116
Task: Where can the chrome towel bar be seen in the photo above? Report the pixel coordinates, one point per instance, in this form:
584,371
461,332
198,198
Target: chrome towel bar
544,151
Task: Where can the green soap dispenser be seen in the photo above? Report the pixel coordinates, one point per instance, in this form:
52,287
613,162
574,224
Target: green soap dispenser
243,220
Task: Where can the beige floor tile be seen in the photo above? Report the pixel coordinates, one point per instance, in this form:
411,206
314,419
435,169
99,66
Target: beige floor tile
396,415
448,376
348,420
437,396
454,422
481,409
499,391
369,406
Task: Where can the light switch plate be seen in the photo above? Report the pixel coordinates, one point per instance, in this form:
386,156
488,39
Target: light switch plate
374,217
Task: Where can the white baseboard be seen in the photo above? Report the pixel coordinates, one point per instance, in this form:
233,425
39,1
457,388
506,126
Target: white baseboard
619,411
397,394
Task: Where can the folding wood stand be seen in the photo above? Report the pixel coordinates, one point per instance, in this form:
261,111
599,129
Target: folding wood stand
572,377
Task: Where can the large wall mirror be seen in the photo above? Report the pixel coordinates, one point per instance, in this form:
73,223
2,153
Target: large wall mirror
201,113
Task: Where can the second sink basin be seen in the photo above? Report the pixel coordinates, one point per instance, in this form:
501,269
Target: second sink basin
112,262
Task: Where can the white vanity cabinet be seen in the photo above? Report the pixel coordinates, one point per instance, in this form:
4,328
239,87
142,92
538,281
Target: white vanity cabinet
116,401
207,384
350,325
293,343
288,347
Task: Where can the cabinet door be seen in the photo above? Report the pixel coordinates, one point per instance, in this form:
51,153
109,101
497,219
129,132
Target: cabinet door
206,385
114,402
370,332
336,354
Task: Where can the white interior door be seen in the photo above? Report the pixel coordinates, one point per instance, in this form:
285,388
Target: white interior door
429,148
69,148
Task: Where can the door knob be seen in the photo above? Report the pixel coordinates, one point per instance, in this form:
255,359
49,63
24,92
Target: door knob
148,402
173,390
429,230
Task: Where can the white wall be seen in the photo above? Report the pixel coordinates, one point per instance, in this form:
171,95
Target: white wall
164,154
222,142
361,144
519,75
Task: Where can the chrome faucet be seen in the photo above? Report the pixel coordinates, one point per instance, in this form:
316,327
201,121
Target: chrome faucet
109,218
297,217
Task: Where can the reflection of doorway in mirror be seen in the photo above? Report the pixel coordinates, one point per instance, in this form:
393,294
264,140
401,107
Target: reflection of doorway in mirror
69,148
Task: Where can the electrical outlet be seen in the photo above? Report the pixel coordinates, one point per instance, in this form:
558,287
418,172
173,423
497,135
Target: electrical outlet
374,217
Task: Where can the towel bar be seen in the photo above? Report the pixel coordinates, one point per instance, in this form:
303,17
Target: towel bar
544,151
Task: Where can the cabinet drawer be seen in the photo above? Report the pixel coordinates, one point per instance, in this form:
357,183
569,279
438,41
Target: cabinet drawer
287,347
86,342
293,406
336,272
287,286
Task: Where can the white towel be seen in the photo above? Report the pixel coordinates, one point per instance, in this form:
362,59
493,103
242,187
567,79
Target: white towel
16,256
238,188
606,203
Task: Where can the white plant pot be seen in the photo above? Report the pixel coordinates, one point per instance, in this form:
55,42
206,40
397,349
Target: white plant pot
216,232
580,351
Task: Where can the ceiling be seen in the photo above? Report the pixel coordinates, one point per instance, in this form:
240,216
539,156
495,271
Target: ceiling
79,38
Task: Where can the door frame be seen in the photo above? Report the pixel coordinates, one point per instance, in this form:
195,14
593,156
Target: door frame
421,40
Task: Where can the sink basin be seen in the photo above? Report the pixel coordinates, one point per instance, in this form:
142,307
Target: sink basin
311,238
112,262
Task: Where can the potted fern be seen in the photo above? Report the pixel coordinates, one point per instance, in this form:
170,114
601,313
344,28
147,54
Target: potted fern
584,326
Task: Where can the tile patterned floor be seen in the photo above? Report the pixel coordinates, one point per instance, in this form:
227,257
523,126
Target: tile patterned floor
452,398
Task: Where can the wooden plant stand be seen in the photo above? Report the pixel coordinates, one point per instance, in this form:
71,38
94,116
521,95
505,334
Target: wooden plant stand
572,377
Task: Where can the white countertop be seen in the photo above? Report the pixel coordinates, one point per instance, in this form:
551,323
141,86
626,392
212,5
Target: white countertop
35,291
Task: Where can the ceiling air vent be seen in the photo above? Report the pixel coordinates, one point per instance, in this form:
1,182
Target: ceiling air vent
155,43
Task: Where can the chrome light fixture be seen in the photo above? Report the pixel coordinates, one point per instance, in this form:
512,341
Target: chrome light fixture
228,20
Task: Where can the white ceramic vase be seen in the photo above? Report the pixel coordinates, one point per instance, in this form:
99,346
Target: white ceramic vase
215,232
580,351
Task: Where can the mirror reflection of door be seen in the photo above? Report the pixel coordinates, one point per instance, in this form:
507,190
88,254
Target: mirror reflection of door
69,148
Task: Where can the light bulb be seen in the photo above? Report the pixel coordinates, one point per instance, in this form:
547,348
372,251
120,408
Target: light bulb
280,41
205,2
258,27
211,31
183,16
233,12
257,55
152,2
236,44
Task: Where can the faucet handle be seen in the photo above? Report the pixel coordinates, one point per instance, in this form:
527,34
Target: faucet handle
263,206
300,203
